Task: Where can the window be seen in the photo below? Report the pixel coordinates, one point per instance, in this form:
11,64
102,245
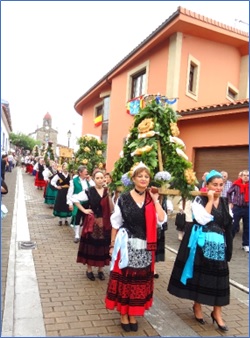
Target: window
191,78
98,110
137,81
138,84
193,75
232,92
103,109
106,105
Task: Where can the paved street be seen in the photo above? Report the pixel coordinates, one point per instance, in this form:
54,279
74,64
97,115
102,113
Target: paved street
46,293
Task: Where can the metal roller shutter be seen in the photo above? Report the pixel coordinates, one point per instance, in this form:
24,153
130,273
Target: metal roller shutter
230,159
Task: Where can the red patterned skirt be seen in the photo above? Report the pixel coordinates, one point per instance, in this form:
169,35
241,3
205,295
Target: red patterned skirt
130,290
94,248
38,182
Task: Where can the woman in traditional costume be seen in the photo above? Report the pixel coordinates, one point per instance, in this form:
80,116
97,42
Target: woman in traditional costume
95,238
133,246
61,182
200,271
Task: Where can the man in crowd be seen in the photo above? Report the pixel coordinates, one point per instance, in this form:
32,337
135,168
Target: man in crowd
80,182
227,183
4,165
202,182
238,198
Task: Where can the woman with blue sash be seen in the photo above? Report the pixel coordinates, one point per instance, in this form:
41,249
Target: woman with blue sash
200,271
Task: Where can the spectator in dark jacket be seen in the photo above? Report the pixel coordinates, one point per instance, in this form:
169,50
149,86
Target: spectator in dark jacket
238,198
4,164
4,187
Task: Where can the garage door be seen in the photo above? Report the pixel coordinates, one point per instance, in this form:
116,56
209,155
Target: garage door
231,159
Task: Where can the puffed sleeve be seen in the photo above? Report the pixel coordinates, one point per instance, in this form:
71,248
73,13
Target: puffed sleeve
116,218
199,212
80,197
54,181
164,221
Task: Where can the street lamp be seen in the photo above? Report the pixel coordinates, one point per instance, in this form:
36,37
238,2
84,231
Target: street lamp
69,136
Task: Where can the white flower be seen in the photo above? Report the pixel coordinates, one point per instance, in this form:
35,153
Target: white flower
121,154
162,176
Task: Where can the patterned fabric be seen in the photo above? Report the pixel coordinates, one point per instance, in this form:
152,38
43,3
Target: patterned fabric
214,246
94,245
226,187
138,258
235,197
210,280
130,290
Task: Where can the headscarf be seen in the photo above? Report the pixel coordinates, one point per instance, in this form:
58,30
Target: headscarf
213,173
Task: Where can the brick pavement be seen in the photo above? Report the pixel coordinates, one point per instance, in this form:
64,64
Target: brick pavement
6,224
74,306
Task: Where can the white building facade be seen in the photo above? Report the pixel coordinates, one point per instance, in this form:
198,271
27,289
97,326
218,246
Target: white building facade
6,127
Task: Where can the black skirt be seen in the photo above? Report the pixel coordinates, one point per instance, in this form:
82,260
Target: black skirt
210,282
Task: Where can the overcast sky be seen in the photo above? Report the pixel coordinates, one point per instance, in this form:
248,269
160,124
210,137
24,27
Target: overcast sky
52,52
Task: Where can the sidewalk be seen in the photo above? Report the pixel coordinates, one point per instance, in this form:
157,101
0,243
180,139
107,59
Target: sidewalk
46,293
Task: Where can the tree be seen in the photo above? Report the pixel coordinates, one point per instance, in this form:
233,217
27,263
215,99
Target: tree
23,141
90,153
153,139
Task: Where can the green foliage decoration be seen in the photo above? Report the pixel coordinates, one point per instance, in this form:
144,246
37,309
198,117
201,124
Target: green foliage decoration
43,150
35,151
162,116
49,153
90,153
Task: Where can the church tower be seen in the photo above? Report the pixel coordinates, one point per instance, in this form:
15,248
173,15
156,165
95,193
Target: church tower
46,133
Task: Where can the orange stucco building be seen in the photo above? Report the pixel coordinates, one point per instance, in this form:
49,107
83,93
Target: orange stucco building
202,63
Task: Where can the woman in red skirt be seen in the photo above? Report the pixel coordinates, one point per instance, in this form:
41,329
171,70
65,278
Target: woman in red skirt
95,238
133,245
39,179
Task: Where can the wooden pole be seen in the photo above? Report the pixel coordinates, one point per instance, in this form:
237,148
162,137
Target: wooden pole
159,155
175,192
160,162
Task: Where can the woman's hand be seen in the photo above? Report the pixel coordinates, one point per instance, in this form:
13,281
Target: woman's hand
210,194
88,211
153,191
111,251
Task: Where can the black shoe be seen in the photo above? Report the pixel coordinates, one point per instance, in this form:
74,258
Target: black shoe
134,327
221,327
156,275
126,327
101,275
76,240
60,223
90,275
199,320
